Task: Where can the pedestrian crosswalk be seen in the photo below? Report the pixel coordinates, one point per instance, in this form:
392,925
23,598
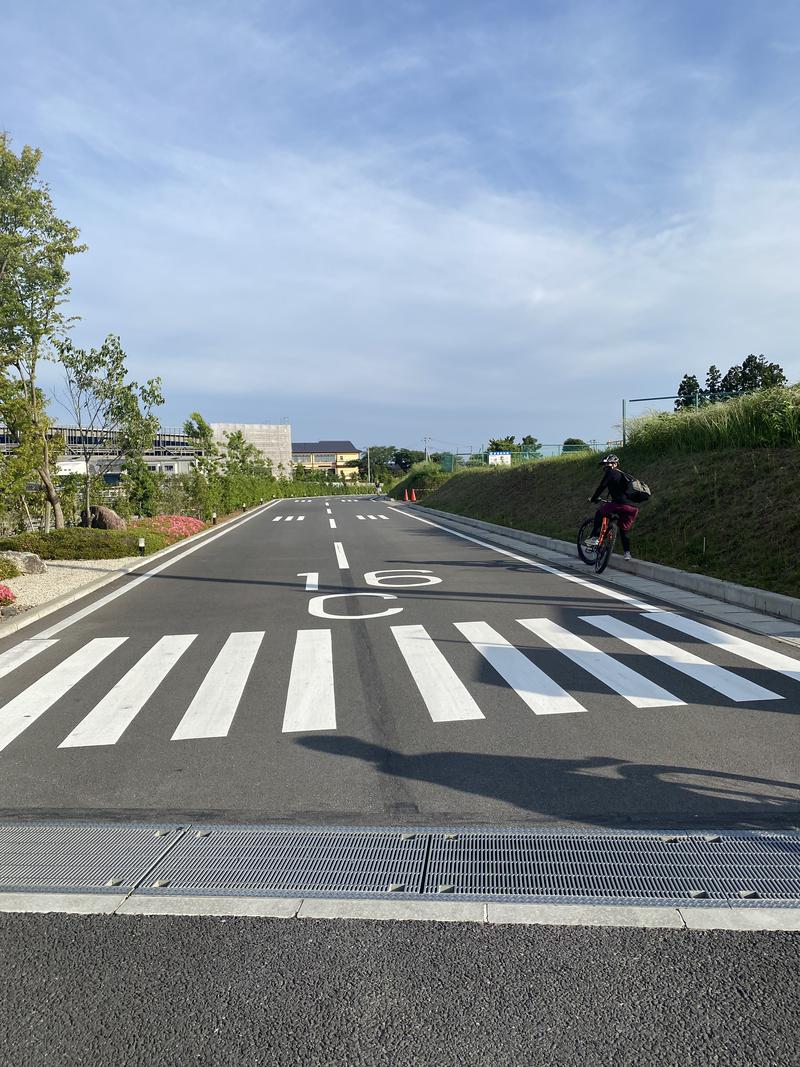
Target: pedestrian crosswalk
288,518
375,518
309,685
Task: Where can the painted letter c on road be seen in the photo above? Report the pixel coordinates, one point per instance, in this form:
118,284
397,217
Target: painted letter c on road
316,606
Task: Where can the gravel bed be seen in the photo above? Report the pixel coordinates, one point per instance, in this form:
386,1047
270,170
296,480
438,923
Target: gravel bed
63,576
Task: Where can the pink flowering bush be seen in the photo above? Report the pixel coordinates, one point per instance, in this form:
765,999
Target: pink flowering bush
173,526
6,596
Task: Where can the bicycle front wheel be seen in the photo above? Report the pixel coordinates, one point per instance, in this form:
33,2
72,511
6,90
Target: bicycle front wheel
588,555
604,551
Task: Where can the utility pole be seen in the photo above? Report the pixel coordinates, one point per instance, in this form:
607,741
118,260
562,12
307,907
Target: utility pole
426,440
369,478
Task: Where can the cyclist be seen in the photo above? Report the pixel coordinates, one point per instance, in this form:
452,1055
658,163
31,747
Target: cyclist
616,483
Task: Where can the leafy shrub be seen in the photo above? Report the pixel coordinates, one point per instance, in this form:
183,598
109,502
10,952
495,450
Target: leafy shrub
6,596
8,568
79,543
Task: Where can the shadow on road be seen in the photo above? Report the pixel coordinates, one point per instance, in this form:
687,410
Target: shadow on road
597,790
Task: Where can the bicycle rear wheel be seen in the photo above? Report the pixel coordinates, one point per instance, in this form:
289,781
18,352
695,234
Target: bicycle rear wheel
588,555
604,550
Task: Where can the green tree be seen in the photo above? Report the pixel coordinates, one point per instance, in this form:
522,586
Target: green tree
104,404
404,458
202,436
377,466
503,444
688,392
531,446
758,373
141,486
575,444
713,383
34,285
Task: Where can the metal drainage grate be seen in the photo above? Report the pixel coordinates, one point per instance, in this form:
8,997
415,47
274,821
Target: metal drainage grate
255,860
618,867
86,856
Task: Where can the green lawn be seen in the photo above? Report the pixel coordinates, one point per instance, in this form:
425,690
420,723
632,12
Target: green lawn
733,514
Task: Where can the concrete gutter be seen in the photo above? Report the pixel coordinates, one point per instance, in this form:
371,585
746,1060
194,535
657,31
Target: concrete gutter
754,609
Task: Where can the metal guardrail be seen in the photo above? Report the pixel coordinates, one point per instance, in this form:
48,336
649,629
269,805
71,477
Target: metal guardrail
556,866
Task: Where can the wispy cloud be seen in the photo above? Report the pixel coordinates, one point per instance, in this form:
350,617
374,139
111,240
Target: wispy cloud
385,223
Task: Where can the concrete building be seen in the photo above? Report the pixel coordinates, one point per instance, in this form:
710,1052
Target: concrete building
331,456
274,442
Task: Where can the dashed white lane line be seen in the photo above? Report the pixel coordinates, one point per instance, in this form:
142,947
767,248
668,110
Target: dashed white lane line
333,523
341,558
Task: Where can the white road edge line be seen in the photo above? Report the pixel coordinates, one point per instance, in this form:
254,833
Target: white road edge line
633,601
109,597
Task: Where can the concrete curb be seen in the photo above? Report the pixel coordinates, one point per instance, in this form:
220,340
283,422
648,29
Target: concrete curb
486,913
32,616
775,604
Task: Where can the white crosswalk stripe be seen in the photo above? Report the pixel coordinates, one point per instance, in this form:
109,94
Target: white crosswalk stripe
717,678
25,708
542,695
636,689
764,657
211,712
445,696
21,653
309,691
107,722
310,703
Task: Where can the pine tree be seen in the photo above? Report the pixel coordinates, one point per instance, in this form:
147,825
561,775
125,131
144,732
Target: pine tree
713,383
688,392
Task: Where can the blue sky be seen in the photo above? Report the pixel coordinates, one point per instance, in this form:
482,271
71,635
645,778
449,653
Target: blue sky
422,218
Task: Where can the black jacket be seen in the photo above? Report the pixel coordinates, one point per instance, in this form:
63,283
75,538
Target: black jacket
617,485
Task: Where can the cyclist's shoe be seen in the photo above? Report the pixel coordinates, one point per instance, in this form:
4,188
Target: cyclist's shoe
592,542
628,555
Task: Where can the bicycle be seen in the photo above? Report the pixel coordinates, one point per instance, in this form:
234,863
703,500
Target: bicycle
598,555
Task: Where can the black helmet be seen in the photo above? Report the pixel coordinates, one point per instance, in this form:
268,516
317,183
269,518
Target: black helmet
608,460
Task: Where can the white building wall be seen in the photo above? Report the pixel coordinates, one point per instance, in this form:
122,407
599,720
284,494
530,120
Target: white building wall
274,441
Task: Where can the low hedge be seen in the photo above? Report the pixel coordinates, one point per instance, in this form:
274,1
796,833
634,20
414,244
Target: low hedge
79,543
8,569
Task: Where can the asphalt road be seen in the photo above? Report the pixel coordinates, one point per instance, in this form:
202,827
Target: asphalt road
269,675
125,990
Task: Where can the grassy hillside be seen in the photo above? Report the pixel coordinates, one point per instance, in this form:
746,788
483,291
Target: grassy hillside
733,514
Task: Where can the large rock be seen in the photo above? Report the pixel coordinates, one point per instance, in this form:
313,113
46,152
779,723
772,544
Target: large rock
27,562
103,518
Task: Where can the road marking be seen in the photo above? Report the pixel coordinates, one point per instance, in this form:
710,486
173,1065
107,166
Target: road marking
765,657
300,518
107,721
214,705
384,517
21,653
310,703
613,593
445,696
19,713
542,695
312,580
717,678
360,517
316,606
77,616
277,518
333,523
637,690
341,558
289,518
373,517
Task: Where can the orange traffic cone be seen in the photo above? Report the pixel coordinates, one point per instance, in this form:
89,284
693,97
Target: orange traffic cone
406,496
414,496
